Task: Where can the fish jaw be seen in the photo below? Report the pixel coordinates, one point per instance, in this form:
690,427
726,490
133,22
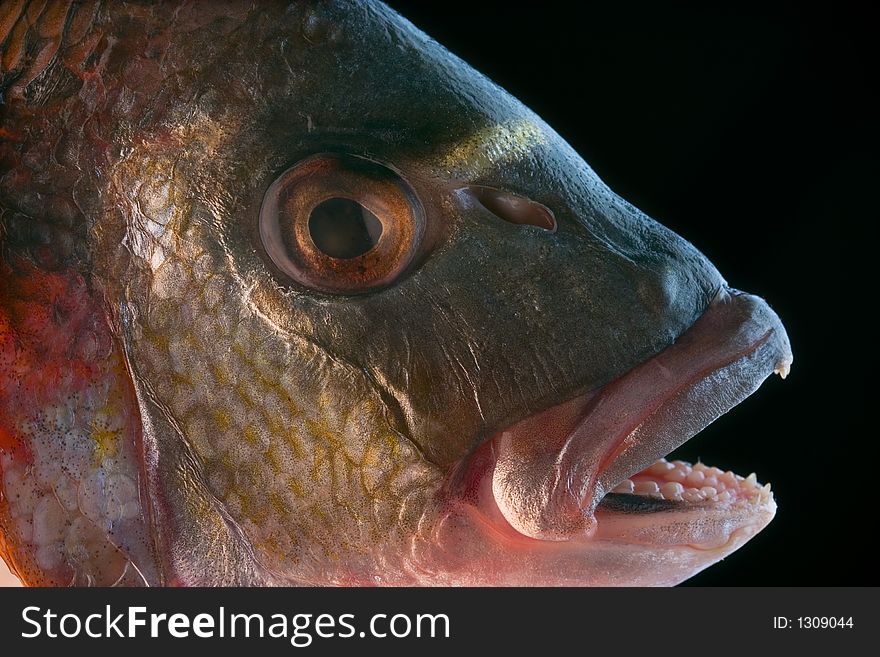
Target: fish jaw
534,504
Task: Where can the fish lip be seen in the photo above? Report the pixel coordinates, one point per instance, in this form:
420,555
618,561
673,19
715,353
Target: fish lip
551,491
753,345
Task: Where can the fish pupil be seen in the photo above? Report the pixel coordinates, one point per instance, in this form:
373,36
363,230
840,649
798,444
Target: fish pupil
343,228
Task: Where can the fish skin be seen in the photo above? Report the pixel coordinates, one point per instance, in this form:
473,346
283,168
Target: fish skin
286,435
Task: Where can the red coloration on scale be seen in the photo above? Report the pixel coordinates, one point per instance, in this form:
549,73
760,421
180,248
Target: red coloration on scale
56,346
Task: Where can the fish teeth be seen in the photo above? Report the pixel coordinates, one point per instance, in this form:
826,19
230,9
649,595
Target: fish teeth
672,490
677,475
647,488
661,467
625,486
693,495
695,478
783,367
680,481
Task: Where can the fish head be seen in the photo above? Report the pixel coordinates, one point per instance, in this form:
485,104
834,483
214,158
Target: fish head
370,320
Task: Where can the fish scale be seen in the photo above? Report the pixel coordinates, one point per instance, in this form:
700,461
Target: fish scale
70,508
321,459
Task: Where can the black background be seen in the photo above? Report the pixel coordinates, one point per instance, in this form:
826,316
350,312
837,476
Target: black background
750,134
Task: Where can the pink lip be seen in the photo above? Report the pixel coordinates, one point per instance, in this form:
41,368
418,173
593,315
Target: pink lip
549,471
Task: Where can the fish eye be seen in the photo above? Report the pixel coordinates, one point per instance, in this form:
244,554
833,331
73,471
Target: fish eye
341,223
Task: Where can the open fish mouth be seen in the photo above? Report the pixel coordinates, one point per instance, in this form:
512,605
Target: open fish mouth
592,469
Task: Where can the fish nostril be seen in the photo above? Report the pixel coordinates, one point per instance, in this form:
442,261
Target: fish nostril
658,290
513,208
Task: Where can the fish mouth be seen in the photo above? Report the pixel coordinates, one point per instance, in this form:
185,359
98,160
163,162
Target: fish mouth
592,469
